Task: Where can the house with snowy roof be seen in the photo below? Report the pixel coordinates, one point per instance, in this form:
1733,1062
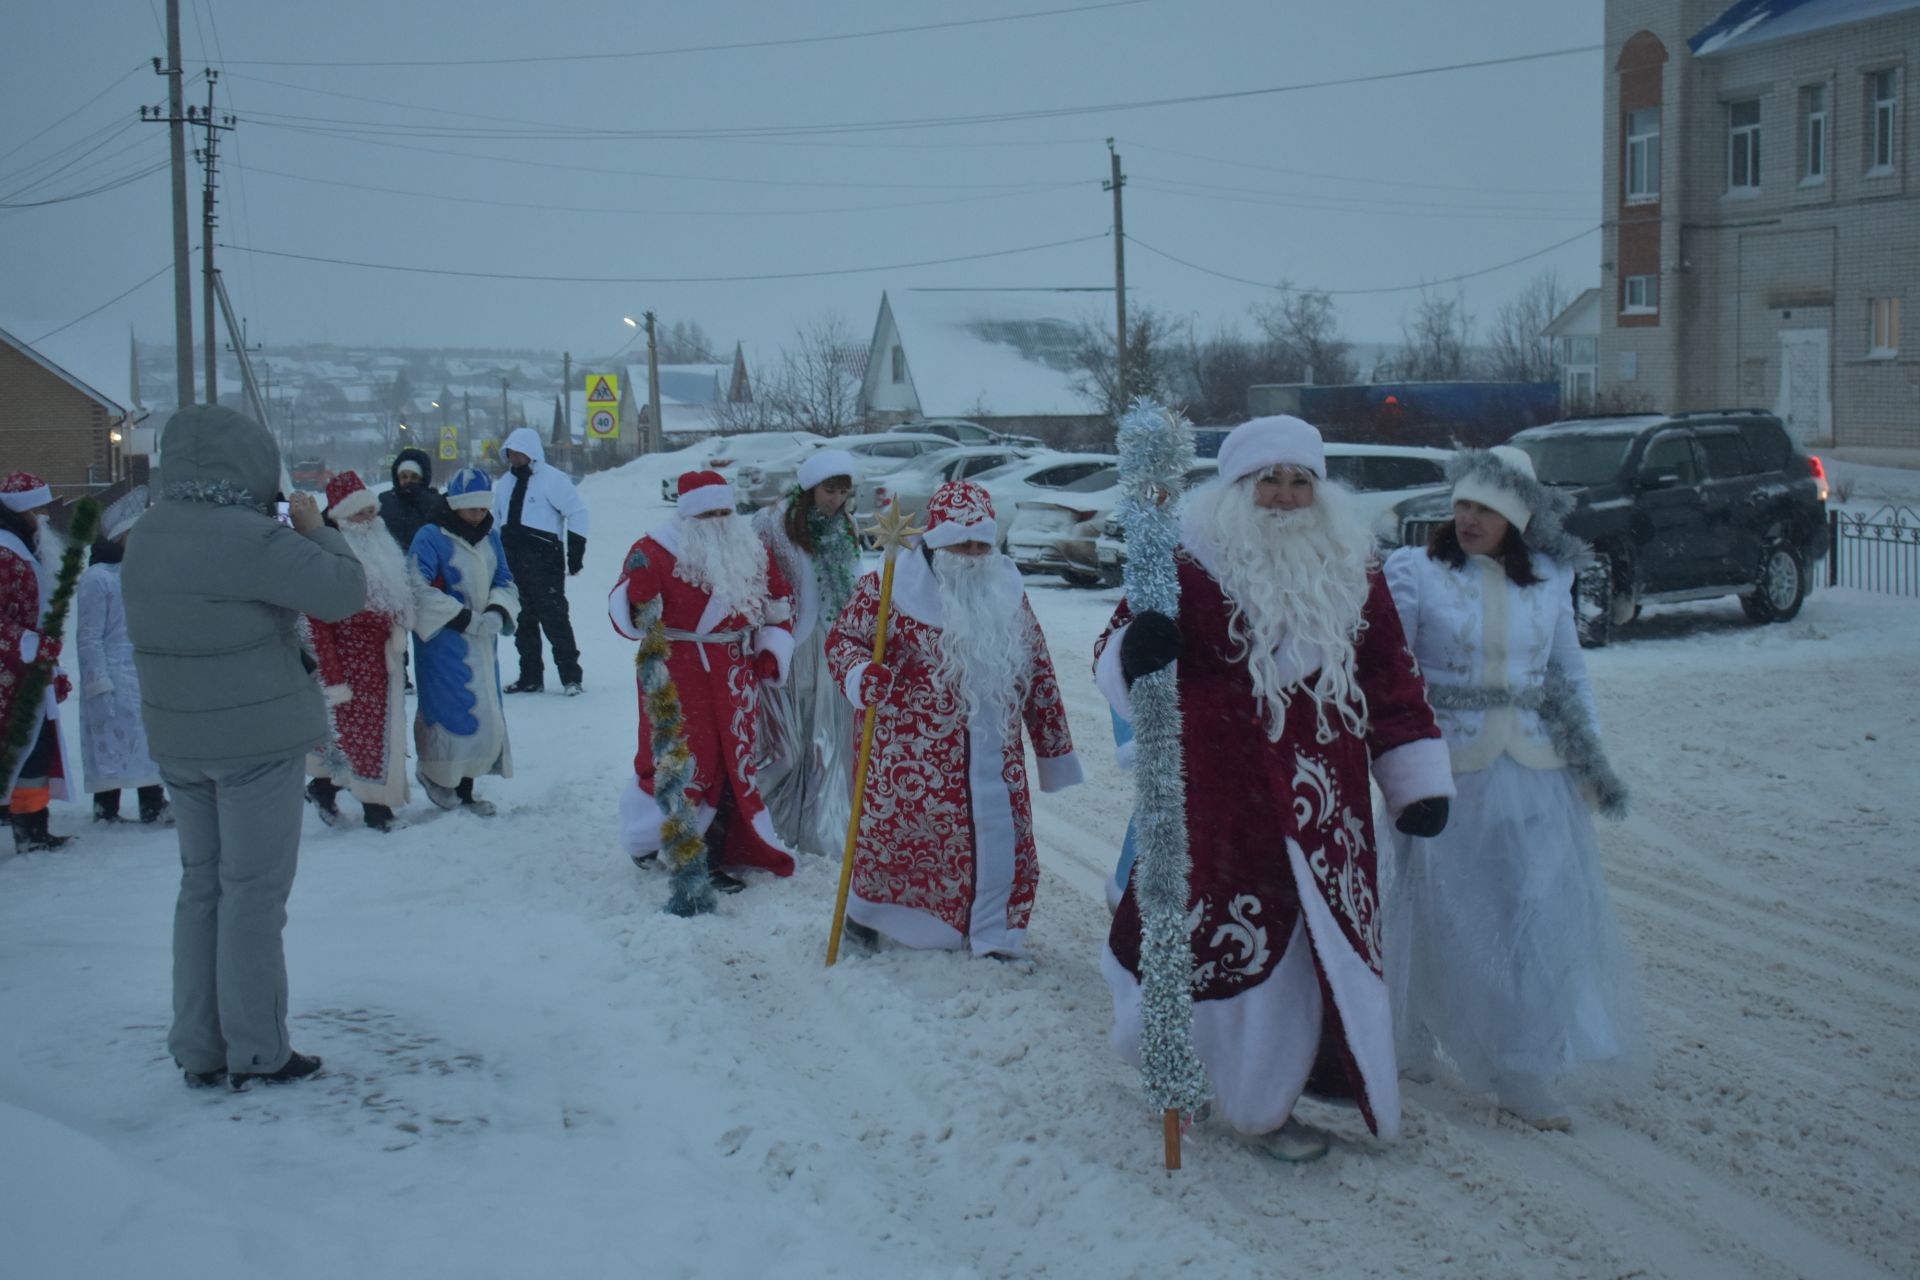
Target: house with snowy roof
1003,358
692,398
1761,233
56,426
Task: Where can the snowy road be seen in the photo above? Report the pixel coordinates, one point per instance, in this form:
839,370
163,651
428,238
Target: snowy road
532,1070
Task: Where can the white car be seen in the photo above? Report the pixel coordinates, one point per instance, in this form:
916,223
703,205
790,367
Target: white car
912,485
1381,476
745,458
1083,480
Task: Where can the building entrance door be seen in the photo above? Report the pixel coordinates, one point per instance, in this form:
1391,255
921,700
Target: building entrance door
1805,402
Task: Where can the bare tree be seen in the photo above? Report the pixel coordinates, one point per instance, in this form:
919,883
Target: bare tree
1305,332
814,387
1435,341
1152,351
1215,373
1521,350
685,342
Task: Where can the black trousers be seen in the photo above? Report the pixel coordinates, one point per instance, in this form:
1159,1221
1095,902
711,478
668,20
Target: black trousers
539,567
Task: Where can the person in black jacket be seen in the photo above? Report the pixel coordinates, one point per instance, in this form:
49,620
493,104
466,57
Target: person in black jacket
413,502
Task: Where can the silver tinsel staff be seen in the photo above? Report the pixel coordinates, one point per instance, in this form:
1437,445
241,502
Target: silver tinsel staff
1156,450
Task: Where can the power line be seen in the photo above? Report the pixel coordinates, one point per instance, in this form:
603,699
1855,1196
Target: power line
103,306
1455,213
1348,293
32,138
1035,189
604,279
1477,188
369,127
51,174
786,42
111,185
1358,200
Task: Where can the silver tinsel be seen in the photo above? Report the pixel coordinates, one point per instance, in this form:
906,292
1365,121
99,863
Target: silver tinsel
1156,450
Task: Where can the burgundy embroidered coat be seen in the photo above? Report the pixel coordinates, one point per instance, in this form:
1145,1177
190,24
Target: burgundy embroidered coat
23,599
945,855
1284,909
362,669
717,685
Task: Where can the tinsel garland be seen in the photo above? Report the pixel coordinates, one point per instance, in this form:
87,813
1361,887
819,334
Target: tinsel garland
28,712
1557,702
836,556
681,844
1156,450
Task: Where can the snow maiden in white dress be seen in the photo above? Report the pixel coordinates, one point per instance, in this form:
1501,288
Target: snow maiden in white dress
1502,949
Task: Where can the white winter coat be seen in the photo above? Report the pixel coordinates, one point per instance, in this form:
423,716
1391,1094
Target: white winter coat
1473,626
113,739
553,505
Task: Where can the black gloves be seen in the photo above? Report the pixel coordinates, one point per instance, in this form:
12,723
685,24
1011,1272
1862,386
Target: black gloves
1424,818
576,553
1151,642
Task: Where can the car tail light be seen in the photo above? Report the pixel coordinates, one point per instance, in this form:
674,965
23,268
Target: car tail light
881,497
1081,517
718,463
1819,472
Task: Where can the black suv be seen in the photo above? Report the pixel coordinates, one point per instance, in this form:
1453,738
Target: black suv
1683,506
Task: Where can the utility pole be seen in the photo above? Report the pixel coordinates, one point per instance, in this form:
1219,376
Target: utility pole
505,426
209,157
656,430
175,118
1114,184
466,418
566,396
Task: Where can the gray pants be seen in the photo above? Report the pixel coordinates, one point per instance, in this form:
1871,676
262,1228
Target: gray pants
239,845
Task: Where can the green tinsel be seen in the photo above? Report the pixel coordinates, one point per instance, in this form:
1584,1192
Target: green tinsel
31,692
836,559
682,846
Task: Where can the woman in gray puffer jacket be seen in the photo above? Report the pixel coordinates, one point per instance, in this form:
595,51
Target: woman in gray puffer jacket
214,586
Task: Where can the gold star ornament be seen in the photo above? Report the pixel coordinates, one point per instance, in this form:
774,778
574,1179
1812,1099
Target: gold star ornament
893,530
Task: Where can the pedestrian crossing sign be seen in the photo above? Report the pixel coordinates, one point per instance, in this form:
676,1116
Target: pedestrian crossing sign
603,388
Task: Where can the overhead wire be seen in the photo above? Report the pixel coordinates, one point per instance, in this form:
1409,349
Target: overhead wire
1348,293
1409,210
112,184
776,42
109,302
713,279
77,159
35,137
1134,144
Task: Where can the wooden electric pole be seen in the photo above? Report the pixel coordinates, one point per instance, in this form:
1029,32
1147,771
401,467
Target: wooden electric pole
209,157
656,429
175,118
1114,184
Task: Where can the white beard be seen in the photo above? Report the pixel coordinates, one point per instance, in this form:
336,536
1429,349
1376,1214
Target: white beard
724,556
1297,581
389,576
986,649
50,545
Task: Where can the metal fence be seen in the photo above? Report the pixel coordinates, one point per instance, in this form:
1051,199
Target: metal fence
1875,552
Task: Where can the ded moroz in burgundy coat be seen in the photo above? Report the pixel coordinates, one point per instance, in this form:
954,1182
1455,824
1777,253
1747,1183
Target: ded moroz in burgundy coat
1284,907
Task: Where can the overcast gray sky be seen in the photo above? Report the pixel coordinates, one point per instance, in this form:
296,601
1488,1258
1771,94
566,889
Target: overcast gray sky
1346,187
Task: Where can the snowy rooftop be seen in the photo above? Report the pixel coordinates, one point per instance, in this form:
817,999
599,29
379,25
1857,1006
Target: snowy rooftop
1752,22
994,352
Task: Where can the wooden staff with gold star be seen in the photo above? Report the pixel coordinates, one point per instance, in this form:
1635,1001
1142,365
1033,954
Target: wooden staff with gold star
892,531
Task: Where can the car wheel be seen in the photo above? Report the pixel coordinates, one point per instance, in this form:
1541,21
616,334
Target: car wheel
1075,578
1593,602
1780,587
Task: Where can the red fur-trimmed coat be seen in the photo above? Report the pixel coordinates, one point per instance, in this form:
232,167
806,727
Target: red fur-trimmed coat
718,686
363,672
945,855
1284,907
23,599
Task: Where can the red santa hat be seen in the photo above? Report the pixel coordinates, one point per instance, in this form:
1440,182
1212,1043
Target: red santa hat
348,497
24,491
1264,443
703,491
960,511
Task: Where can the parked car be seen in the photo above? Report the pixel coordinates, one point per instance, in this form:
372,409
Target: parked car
1684,506
744,457
912,484
962,432
1385,479
1081,482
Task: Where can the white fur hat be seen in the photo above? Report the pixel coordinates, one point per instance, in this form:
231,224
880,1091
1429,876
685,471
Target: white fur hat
825,464
1501,486
1282,440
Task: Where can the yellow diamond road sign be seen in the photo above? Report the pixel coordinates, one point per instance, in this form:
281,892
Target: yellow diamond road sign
449,444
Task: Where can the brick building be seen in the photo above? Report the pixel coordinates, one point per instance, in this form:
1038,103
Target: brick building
1763,222
57,426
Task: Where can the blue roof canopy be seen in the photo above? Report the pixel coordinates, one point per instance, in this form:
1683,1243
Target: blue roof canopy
1750,22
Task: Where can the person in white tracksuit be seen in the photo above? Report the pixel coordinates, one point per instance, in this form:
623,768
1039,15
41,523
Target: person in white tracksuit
113,739
542,522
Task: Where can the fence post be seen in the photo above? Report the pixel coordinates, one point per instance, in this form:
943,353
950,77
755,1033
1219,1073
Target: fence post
1833,548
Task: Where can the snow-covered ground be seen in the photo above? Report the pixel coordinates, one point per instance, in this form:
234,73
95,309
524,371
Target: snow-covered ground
532,1071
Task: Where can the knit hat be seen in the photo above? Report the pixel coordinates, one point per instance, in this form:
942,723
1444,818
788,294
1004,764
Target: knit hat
701,492
960,511
471,489
347,497
123,513
1279,441
825,464
24,491
1500,479
408,464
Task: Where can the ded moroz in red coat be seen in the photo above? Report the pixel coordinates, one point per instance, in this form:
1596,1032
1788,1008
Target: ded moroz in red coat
717,686
24,591
1284,909
945,856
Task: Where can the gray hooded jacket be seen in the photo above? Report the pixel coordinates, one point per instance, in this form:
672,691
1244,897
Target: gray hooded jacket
214,588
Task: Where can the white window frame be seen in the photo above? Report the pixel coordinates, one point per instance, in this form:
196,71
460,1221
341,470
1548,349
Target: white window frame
1743,142
1647,144
1816,137
1883,122
1883,328
1649,303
